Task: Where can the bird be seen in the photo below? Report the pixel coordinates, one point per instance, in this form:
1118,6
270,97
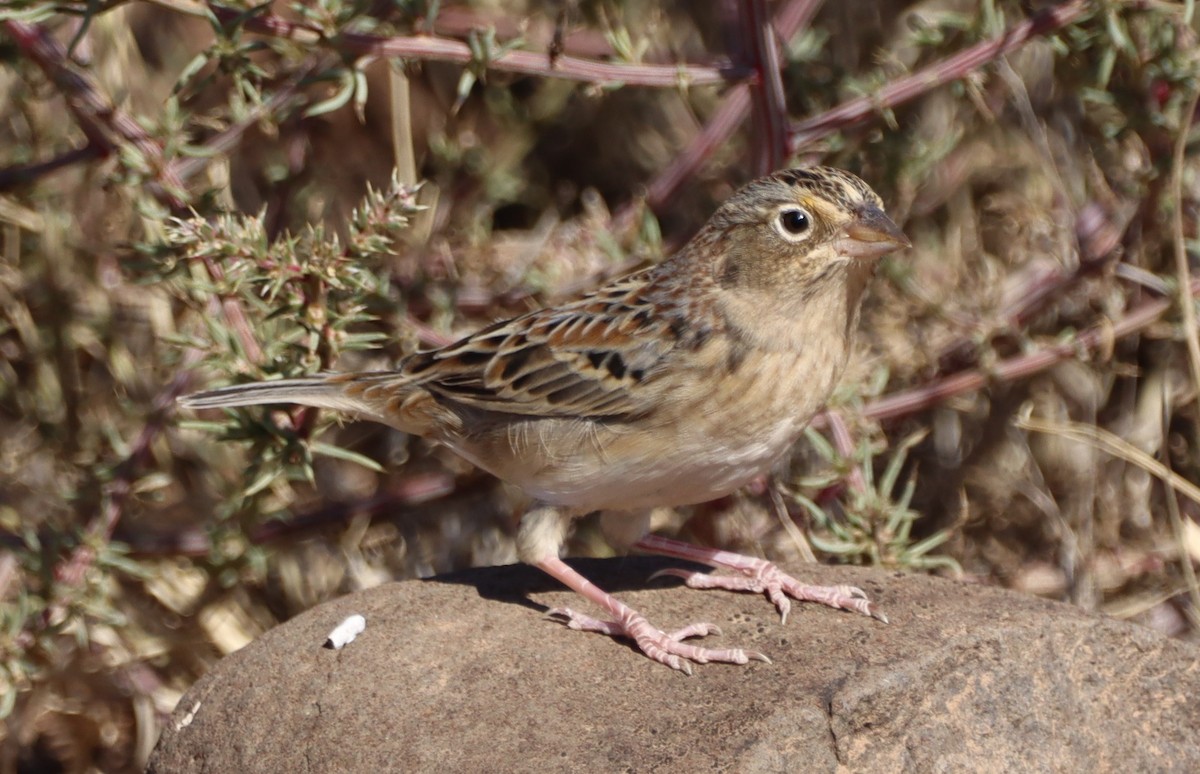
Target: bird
671,386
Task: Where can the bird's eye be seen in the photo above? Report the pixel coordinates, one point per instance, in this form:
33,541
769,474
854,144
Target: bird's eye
794,223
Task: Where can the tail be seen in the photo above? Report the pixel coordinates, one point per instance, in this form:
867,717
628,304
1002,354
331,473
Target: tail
329,391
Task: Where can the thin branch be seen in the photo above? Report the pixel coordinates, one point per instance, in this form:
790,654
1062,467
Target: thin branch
227,139
937,74
435,49
724,122
734,107
761,52
1014,368
22,174
106,127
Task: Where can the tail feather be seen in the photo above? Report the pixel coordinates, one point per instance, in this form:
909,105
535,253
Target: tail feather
327,391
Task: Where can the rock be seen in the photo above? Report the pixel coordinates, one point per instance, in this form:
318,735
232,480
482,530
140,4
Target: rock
462,673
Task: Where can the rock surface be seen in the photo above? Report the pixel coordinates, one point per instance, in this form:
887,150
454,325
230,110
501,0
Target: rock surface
461,673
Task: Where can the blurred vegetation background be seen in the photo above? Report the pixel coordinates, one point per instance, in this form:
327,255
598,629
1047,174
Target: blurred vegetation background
193,193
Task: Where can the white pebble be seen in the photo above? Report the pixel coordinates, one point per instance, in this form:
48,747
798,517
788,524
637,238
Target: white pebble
346,631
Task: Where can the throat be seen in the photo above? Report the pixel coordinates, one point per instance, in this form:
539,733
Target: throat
824,323
823,311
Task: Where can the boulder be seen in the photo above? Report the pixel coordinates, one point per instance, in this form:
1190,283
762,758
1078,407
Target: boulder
464,672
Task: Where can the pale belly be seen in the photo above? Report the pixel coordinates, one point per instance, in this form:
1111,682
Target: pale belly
691,457
680,473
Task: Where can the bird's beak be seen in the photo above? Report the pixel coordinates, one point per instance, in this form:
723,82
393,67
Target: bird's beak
870,235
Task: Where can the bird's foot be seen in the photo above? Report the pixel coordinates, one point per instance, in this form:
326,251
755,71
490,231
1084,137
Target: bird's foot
664,648
763,577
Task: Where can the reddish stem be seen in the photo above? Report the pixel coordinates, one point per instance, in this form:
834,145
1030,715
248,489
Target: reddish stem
761,52
937,74
105,126
432,48
1022,366
729,115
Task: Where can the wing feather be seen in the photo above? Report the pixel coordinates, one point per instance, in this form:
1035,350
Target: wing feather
593,358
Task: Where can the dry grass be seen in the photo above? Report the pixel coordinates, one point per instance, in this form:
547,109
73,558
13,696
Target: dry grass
1022,409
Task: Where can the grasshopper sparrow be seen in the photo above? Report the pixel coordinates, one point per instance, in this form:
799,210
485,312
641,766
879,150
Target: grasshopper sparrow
671,386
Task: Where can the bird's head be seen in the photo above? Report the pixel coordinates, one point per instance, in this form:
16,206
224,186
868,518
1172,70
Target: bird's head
800,229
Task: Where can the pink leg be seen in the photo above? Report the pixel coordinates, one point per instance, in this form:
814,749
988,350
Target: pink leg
757,575
658,645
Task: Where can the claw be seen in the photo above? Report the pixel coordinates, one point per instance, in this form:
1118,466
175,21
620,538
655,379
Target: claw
678,573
